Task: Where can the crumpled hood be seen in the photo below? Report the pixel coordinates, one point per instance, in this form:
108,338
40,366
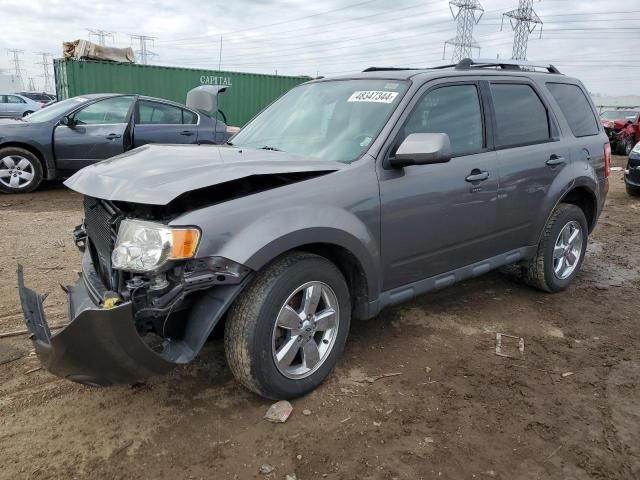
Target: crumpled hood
157,174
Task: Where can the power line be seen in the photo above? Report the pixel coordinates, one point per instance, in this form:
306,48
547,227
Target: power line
144,52
295,20
524,21
283,33
16,61
102,36
46,72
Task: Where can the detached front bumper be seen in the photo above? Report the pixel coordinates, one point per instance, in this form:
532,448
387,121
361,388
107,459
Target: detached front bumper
100,346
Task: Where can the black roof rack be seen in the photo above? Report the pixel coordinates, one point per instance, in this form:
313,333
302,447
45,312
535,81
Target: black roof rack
387,69
468,63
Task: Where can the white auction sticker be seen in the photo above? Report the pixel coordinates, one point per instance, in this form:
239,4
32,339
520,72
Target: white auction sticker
373,96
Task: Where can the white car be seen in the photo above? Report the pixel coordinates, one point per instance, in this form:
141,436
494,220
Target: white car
15,106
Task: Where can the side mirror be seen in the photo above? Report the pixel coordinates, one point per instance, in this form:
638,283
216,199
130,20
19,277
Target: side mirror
422,149
67,121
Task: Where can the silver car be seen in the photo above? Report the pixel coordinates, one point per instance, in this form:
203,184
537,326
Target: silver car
14,106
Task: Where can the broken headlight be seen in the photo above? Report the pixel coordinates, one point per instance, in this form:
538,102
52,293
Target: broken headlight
146,246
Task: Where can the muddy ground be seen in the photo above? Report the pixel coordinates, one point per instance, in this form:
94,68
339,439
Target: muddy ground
569,410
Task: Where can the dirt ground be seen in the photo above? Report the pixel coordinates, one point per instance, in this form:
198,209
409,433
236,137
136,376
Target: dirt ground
569,410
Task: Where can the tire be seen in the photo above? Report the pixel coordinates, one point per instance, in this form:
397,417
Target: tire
253,339
28,112
541,271
632,191
20,170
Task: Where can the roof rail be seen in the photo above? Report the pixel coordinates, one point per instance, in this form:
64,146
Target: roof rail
387,69
468,63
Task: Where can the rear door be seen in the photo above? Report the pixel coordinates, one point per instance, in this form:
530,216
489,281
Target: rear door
4,108
531,154
99,131
158,122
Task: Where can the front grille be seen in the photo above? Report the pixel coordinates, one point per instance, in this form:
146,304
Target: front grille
101,220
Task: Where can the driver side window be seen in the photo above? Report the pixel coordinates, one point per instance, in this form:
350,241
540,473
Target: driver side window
454,110
111,110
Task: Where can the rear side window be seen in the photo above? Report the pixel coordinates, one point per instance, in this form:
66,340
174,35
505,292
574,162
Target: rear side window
14,99
159,114
575,108
521,117
189,118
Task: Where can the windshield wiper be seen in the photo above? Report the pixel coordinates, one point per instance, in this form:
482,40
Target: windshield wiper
229,143
267,147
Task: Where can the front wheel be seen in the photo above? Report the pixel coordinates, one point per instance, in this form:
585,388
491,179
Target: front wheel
20,170
560,251
286,331
632,191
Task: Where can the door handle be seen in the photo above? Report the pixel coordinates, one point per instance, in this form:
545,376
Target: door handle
186,133
113,136
555,160
477,176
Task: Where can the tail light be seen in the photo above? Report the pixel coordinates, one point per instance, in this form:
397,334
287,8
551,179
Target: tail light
607,160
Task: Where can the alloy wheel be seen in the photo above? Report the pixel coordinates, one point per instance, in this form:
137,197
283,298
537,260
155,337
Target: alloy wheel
305,330
16,171
568,250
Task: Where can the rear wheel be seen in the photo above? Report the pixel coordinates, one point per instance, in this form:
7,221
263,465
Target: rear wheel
285,333
560,251
20,170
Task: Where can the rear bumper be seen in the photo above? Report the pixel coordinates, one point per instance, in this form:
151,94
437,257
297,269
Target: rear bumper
100,346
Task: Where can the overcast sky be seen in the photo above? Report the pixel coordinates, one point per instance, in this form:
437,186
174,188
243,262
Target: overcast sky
594,40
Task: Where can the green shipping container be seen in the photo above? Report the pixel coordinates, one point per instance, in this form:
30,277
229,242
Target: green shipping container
249,92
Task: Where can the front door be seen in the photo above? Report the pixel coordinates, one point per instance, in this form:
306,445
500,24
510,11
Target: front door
436,218
96,132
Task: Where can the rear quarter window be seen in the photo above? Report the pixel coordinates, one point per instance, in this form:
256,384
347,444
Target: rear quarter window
575,108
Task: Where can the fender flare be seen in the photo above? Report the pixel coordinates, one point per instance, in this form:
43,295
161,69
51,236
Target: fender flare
38,149
318,235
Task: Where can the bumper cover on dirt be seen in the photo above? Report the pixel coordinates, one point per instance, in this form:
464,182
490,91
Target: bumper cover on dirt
99,346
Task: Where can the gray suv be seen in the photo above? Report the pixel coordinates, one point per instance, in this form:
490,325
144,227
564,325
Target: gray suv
343,197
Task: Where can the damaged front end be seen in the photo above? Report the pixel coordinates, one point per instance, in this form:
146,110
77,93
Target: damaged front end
126,327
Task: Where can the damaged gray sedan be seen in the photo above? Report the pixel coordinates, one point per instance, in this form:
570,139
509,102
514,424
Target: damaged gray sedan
341,198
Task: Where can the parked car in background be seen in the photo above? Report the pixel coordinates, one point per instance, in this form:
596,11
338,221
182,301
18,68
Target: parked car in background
13,105
40,97
623,129
71,134
632,172
341,198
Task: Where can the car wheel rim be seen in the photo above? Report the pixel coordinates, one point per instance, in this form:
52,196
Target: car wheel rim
305,330
568,250
16,171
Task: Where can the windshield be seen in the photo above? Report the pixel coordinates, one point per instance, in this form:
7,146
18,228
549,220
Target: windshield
619,115
333,120
55,110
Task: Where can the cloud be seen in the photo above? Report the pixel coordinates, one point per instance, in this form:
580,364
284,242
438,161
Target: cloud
298,37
